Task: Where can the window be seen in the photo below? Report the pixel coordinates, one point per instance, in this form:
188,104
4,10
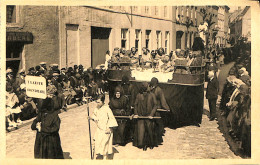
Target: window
138,40
195,16
191,14
135,8
124,38
147,38
182,14
11,14
156,10
167,40
177,14
122,8
147,9
158,39
165,11
14,55
186,40
14,50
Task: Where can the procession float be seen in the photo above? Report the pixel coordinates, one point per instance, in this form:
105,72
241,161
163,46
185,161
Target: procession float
181,79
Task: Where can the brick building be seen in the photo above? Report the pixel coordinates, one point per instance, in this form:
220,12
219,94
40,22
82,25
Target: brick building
31,36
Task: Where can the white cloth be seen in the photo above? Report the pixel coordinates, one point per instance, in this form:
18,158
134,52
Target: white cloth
233,96
104,119
11,100
148,74
146,57
108,58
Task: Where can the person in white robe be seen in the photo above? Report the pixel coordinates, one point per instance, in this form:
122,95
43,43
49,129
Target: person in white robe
105,122
108,59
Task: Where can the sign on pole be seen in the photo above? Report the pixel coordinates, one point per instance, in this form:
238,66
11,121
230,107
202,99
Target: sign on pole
35,87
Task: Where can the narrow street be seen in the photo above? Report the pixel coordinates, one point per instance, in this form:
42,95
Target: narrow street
190,142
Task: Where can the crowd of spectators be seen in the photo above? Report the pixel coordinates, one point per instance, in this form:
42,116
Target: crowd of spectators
236,102
65,86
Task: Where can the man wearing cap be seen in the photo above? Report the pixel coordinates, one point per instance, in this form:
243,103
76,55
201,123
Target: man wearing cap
20,80
63,75
56,82
10,77
37,70
75,70
74,82
227,91
43,68
243,75
31,71
212,94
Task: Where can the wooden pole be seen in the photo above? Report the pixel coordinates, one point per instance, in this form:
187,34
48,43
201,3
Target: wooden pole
90,140
163,110
139,117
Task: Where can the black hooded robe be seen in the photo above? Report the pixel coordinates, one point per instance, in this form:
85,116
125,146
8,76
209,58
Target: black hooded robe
47,142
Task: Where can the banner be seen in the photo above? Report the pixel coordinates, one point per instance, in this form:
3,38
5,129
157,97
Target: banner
35,87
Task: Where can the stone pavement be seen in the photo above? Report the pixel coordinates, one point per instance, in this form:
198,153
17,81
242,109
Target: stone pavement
190,142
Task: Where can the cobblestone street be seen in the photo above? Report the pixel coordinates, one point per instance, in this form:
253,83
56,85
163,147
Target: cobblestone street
190,142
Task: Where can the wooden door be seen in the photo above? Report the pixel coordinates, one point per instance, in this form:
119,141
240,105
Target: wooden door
72,45
99,45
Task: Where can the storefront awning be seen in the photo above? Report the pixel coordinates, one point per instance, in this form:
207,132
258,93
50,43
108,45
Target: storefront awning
25,37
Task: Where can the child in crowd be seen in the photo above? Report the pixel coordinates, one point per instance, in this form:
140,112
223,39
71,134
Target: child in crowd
12,107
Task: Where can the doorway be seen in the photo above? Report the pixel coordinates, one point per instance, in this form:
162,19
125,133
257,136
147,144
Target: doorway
72,41
99,45
178,39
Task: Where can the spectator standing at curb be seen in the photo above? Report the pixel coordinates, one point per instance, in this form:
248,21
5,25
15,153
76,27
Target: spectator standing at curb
212,94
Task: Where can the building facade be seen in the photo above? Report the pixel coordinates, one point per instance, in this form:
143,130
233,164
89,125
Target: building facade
185,26
69,35
223,28
240,25
73,35
86,33
31,36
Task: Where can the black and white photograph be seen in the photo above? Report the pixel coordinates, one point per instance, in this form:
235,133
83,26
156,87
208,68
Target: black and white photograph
100,82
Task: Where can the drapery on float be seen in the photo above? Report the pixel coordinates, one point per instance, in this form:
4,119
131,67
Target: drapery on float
183,87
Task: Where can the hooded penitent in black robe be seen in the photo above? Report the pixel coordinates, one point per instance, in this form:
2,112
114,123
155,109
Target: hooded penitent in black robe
120,107
47,142
145,105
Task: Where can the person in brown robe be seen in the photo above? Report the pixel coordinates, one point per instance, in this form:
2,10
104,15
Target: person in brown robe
161,104
145,105
47,142
130,92
120,107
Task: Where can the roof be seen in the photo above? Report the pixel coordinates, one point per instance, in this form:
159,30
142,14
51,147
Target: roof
238,15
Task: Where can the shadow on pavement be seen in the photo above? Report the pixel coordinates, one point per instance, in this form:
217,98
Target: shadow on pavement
67,155
115,150
206,112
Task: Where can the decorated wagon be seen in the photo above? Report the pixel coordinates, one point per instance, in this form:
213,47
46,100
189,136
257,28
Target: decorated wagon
183,87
